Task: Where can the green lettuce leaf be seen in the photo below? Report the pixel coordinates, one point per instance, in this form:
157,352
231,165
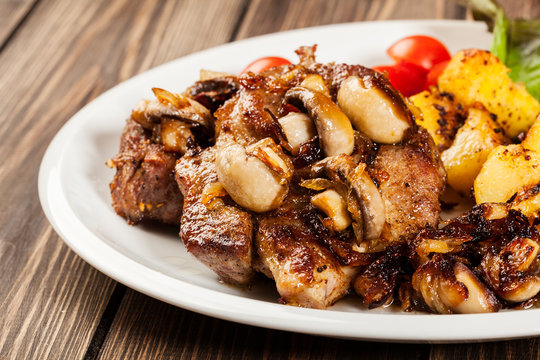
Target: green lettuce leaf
515,42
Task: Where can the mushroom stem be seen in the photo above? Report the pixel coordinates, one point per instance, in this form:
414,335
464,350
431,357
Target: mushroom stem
362,191
334,128
480,299
334,206
254,183
298,129
374,108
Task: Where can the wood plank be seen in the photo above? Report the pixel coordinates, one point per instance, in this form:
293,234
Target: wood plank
66,54
150,329
13,12
145,327
528,9
270,16
54,304
524,349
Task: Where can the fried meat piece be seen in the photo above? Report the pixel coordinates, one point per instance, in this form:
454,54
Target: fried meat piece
410,183
143,187
218,233
306,272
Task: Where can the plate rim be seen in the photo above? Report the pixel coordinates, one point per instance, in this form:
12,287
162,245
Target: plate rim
327,323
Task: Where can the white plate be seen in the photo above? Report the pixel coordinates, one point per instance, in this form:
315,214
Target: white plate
73,189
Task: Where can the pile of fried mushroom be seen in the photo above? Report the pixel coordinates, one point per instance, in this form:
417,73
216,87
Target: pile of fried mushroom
318,177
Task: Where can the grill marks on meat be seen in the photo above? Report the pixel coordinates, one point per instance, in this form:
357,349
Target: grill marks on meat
219,236
143,187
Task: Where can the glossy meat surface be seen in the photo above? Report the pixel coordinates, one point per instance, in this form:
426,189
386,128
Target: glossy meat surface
306,272
217,234
410,183
143,187
279,226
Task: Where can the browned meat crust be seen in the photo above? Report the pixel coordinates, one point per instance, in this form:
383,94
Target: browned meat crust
312,264
410,182
306,272
218,235
143,187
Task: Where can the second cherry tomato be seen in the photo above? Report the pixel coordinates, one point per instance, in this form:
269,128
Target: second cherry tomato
265,63
409,79
435,72
421,50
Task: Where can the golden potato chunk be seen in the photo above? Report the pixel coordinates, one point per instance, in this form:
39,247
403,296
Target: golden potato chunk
478,76
441,116
474,142
507,170
532,140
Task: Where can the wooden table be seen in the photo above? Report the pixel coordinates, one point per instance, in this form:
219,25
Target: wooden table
58,55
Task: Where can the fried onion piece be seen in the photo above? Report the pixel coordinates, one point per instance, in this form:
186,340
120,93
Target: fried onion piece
379,281
514,272
450,287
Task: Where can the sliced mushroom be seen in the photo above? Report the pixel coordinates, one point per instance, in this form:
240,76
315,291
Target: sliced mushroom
335,207
372,204
448,288
523,291
170,105
374,108
514,273
334,128
479,298
176,136
362,189
298,129
315,82
250,178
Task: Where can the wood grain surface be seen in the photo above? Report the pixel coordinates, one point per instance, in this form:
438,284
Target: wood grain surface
58,55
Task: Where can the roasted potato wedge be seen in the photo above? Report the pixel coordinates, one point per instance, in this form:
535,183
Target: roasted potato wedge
507,171
441,116
474,142
478,76
532,139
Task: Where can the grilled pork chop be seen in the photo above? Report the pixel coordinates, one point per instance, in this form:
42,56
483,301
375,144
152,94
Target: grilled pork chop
306,272
410,182
288,239
143,187
158,133
219,232
310,266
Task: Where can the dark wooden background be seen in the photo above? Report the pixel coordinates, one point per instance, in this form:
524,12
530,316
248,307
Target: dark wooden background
55,57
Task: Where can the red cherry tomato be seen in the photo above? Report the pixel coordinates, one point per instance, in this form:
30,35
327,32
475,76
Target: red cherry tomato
435,72
421,50
265,63
408,78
